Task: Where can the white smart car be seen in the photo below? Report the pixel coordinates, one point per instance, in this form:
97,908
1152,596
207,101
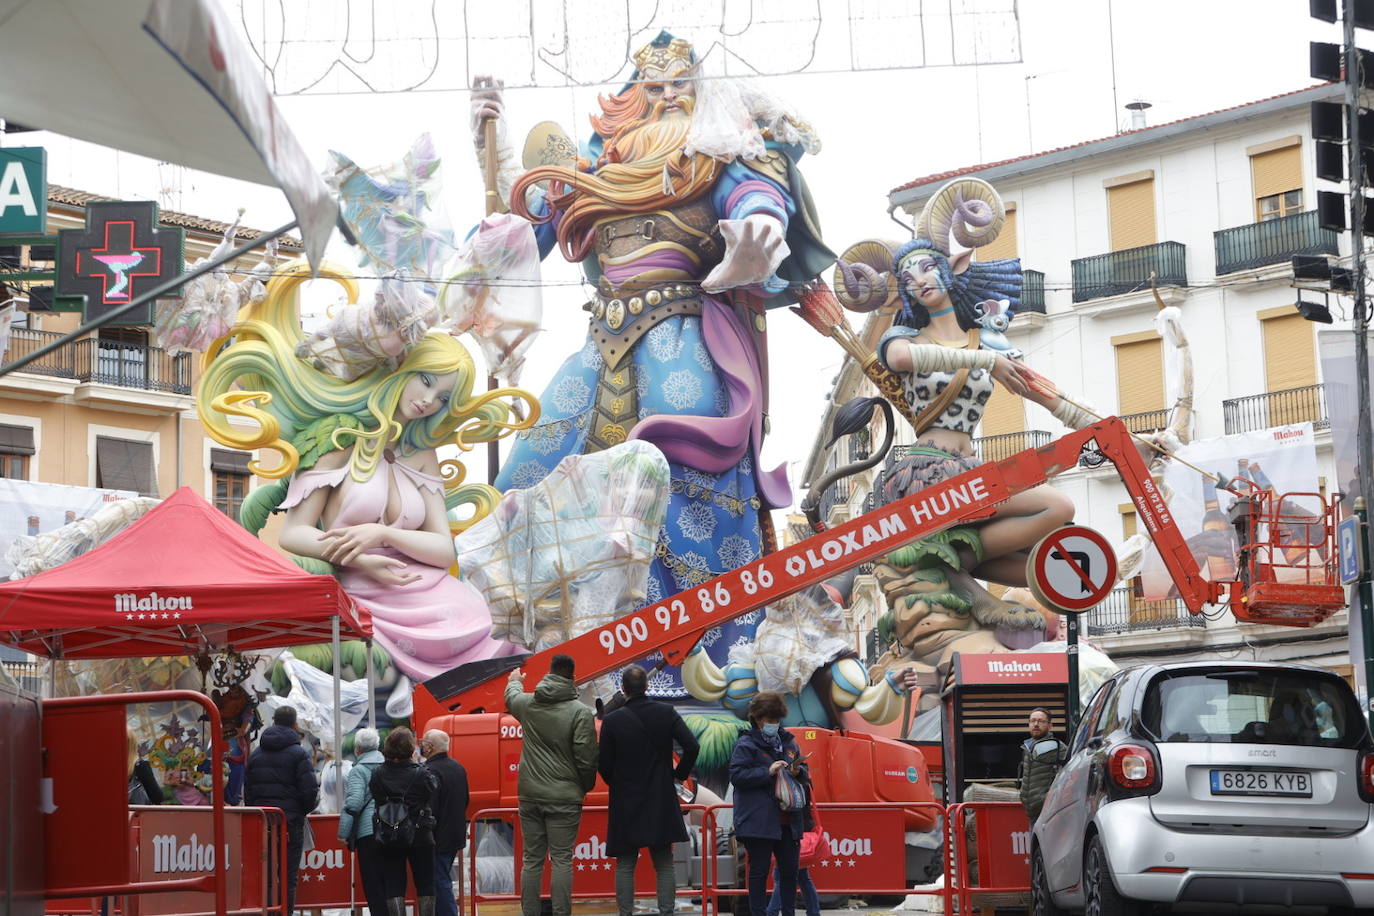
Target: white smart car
1211,784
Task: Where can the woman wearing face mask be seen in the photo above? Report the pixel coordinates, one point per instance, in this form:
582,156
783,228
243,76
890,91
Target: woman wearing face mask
768,833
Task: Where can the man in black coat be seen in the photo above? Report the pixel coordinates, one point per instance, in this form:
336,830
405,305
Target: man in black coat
280,776
637,764
450,806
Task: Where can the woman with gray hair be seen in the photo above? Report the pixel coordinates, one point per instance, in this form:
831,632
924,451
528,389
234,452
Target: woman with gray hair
355,821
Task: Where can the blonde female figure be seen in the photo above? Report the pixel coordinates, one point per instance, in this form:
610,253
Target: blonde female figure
367,492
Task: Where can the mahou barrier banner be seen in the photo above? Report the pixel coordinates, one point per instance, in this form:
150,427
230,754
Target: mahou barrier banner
1282,458
866,848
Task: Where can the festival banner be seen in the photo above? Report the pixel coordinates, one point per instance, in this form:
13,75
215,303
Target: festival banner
1282,458
29,508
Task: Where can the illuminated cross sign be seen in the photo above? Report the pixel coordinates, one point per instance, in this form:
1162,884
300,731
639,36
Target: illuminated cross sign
120,254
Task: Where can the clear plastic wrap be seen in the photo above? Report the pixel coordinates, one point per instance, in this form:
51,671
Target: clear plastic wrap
389,210
31,554
733,117
495,293
210,302
361,337
799,634
571,552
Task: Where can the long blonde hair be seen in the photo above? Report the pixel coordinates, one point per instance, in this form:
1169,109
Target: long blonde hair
644,169
284,396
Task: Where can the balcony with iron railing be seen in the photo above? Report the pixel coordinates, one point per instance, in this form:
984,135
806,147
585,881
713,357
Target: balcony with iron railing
104,362
837,494
1032,291
1122,612
995,448
1277,408
1119,272
1272,241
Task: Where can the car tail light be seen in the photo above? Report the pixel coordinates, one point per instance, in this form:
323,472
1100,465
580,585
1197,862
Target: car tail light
1366,783
1133,768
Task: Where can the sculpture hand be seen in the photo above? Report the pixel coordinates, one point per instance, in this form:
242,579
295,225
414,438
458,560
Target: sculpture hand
754,247
384,569
487,104
342,546
1015,377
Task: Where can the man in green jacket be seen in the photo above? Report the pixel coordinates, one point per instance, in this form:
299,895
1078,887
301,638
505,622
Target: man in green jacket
1042,754
557,768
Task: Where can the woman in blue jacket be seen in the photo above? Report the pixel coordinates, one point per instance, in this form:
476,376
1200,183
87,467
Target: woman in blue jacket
767,832
355,822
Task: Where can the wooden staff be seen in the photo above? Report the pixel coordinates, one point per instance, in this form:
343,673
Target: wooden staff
494,205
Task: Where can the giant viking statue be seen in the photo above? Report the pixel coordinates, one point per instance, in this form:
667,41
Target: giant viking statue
689,215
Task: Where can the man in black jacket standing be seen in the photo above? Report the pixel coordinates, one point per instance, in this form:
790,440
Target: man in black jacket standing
637,764
450,806
280,776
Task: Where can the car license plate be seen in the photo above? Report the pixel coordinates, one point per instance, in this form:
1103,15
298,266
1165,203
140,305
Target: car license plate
1262,782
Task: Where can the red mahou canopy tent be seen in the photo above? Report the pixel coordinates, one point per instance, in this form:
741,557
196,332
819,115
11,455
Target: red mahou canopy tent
182,579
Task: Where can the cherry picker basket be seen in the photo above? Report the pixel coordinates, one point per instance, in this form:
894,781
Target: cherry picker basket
1288,571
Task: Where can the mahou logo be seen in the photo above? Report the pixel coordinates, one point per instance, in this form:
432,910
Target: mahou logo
129,603
591,855
171,856
1014,667
846,851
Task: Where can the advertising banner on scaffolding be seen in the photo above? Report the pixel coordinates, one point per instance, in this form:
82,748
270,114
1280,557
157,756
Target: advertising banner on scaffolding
1282,459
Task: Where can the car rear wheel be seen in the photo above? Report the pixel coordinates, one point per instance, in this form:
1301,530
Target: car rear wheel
1100,896
1042,904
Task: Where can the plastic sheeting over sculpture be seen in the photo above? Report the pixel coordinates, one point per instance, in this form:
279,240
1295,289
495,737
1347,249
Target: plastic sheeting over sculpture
31,554
571,552
312,696
388,210
799,633
495,293
212,301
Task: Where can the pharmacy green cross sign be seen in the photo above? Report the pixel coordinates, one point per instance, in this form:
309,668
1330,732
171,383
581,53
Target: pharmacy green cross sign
23,190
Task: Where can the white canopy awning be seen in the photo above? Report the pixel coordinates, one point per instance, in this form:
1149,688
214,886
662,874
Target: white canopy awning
168,79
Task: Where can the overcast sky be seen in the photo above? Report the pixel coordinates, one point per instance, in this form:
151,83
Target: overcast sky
883,118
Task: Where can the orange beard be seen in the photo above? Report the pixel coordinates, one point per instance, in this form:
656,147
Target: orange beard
643,169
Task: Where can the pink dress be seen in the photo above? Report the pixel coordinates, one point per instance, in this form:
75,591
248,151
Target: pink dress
430,625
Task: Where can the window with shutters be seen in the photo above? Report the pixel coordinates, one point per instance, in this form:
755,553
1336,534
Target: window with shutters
1276,172
1290,366
1139,373
1004,246
1131,211
16,446
230,472
1005,413
125,464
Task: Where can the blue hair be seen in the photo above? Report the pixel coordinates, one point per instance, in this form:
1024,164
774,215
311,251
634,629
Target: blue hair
999,279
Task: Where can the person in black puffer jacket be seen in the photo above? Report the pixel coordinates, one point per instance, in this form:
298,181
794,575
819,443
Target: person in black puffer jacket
280,776
401,777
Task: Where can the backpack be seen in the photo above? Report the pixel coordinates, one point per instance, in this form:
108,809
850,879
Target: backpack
138,795
392,824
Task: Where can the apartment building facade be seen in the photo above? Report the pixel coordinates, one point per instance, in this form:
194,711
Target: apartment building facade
1213,207
110,409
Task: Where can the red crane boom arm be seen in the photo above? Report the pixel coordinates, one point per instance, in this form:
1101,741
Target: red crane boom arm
674,626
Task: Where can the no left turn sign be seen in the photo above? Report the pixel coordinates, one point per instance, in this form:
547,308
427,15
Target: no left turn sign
1072,569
